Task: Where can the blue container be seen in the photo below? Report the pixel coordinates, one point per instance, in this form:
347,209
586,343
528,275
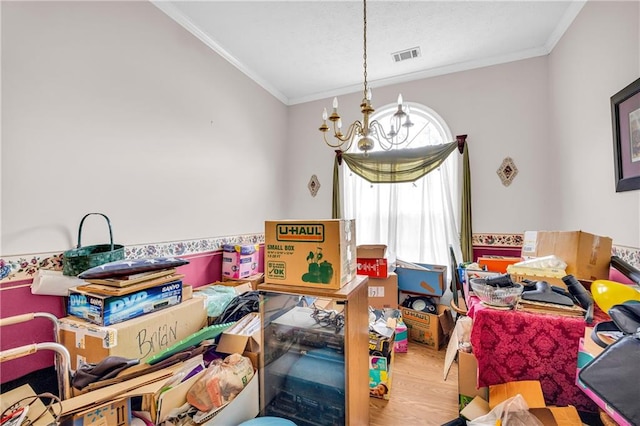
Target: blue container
430,282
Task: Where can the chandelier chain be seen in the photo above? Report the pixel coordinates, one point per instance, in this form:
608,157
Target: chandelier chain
368,133
364,56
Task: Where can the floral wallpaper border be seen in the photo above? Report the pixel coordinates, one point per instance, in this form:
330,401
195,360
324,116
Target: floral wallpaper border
20,268
630,255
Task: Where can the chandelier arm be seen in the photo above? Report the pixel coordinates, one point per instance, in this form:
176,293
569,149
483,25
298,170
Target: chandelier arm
382,137
352,130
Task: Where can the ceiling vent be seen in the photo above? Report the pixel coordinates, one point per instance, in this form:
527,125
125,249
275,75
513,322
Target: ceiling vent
404,55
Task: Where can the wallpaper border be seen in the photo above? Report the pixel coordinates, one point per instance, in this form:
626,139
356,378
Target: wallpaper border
23,267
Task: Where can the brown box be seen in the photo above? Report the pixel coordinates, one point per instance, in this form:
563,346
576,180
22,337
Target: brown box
587,256
116,413
429,329
372,251
383,292
310,253
468,380
139,338
243,338
254,280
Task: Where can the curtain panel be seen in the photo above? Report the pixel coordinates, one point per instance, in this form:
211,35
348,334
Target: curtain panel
408,165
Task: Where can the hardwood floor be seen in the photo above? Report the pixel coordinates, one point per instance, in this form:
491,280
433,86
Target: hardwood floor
419,395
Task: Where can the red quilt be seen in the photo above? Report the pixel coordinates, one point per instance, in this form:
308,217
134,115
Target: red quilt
515,345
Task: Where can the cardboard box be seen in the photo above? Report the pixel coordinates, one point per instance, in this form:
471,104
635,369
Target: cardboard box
497,263
380,374
428,279
381,356
240,261
254,280
428,329
373,268
116,413
531,391
320,254
383,292
371,251
587,256
468,380
403,296
140,338
106,310
243,338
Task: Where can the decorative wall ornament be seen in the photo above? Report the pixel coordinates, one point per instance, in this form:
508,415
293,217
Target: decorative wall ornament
313,185
507,171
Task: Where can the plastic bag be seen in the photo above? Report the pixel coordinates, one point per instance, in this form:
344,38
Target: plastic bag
222,381
511,412
218,297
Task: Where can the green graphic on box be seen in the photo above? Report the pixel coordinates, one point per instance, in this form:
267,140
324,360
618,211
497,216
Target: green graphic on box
318,272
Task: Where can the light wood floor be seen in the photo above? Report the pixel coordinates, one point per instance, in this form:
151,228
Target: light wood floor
419,395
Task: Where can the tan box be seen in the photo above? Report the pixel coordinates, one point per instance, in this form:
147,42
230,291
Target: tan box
468,380
429,329
116,413
371,251
254,280
139,338
320,254
587,256
531,391
383,292
243,338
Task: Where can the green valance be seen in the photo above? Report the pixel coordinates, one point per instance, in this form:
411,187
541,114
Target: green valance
409,165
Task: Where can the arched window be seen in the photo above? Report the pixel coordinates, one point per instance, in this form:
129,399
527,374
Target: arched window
418,220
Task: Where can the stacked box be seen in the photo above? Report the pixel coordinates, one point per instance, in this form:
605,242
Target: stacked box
468,379
320,254
383,292
105,310
140,338
371,260
587,256
240,261
380,365
426,279
429,329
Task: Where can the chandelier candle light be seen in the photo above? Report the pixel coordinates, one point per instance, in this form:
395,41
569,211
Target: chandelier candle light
367,132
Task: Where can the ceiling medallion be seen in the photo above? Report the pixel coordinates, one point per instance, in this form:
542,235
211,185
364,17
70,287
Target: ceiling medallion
313,185
507,171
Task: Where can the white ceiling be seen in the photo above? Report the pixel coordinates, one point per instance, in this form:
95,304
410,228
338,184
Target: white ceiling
306,50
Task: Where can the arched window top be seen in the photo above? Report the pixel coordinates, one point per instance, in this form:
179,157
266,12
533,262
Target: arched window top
429,128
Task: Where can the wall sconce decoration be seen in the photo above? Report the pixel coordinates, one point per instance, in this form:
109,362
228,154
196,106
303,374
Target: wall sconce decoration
313,185
507,171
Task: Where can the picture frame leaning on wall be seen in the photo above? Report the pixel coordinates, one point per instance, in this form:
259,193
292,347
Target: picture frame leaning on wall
625,114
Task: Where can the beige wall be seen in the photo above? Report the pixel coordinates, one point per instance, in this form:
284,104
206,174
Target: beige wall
598,56
114,107
550,114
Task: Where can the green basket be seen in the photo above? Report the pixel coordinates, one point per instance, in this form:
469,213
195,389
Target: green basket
78,260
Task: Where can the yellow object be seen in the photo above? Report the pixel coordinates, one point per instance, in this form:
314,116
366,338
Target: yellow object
608,293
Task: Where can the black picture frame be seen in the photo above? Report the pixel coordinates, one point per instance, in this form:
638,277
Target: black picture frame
625,113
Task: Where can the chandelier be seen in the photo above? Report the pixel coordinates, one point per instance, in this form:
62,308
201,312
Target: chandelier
368,133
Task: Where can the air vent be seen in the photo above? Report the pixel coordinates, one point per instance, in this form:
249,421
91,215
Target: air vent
404,55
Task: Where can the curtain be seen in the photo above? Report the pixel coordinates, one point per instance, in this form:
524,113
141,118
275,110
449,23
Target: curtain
408,166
